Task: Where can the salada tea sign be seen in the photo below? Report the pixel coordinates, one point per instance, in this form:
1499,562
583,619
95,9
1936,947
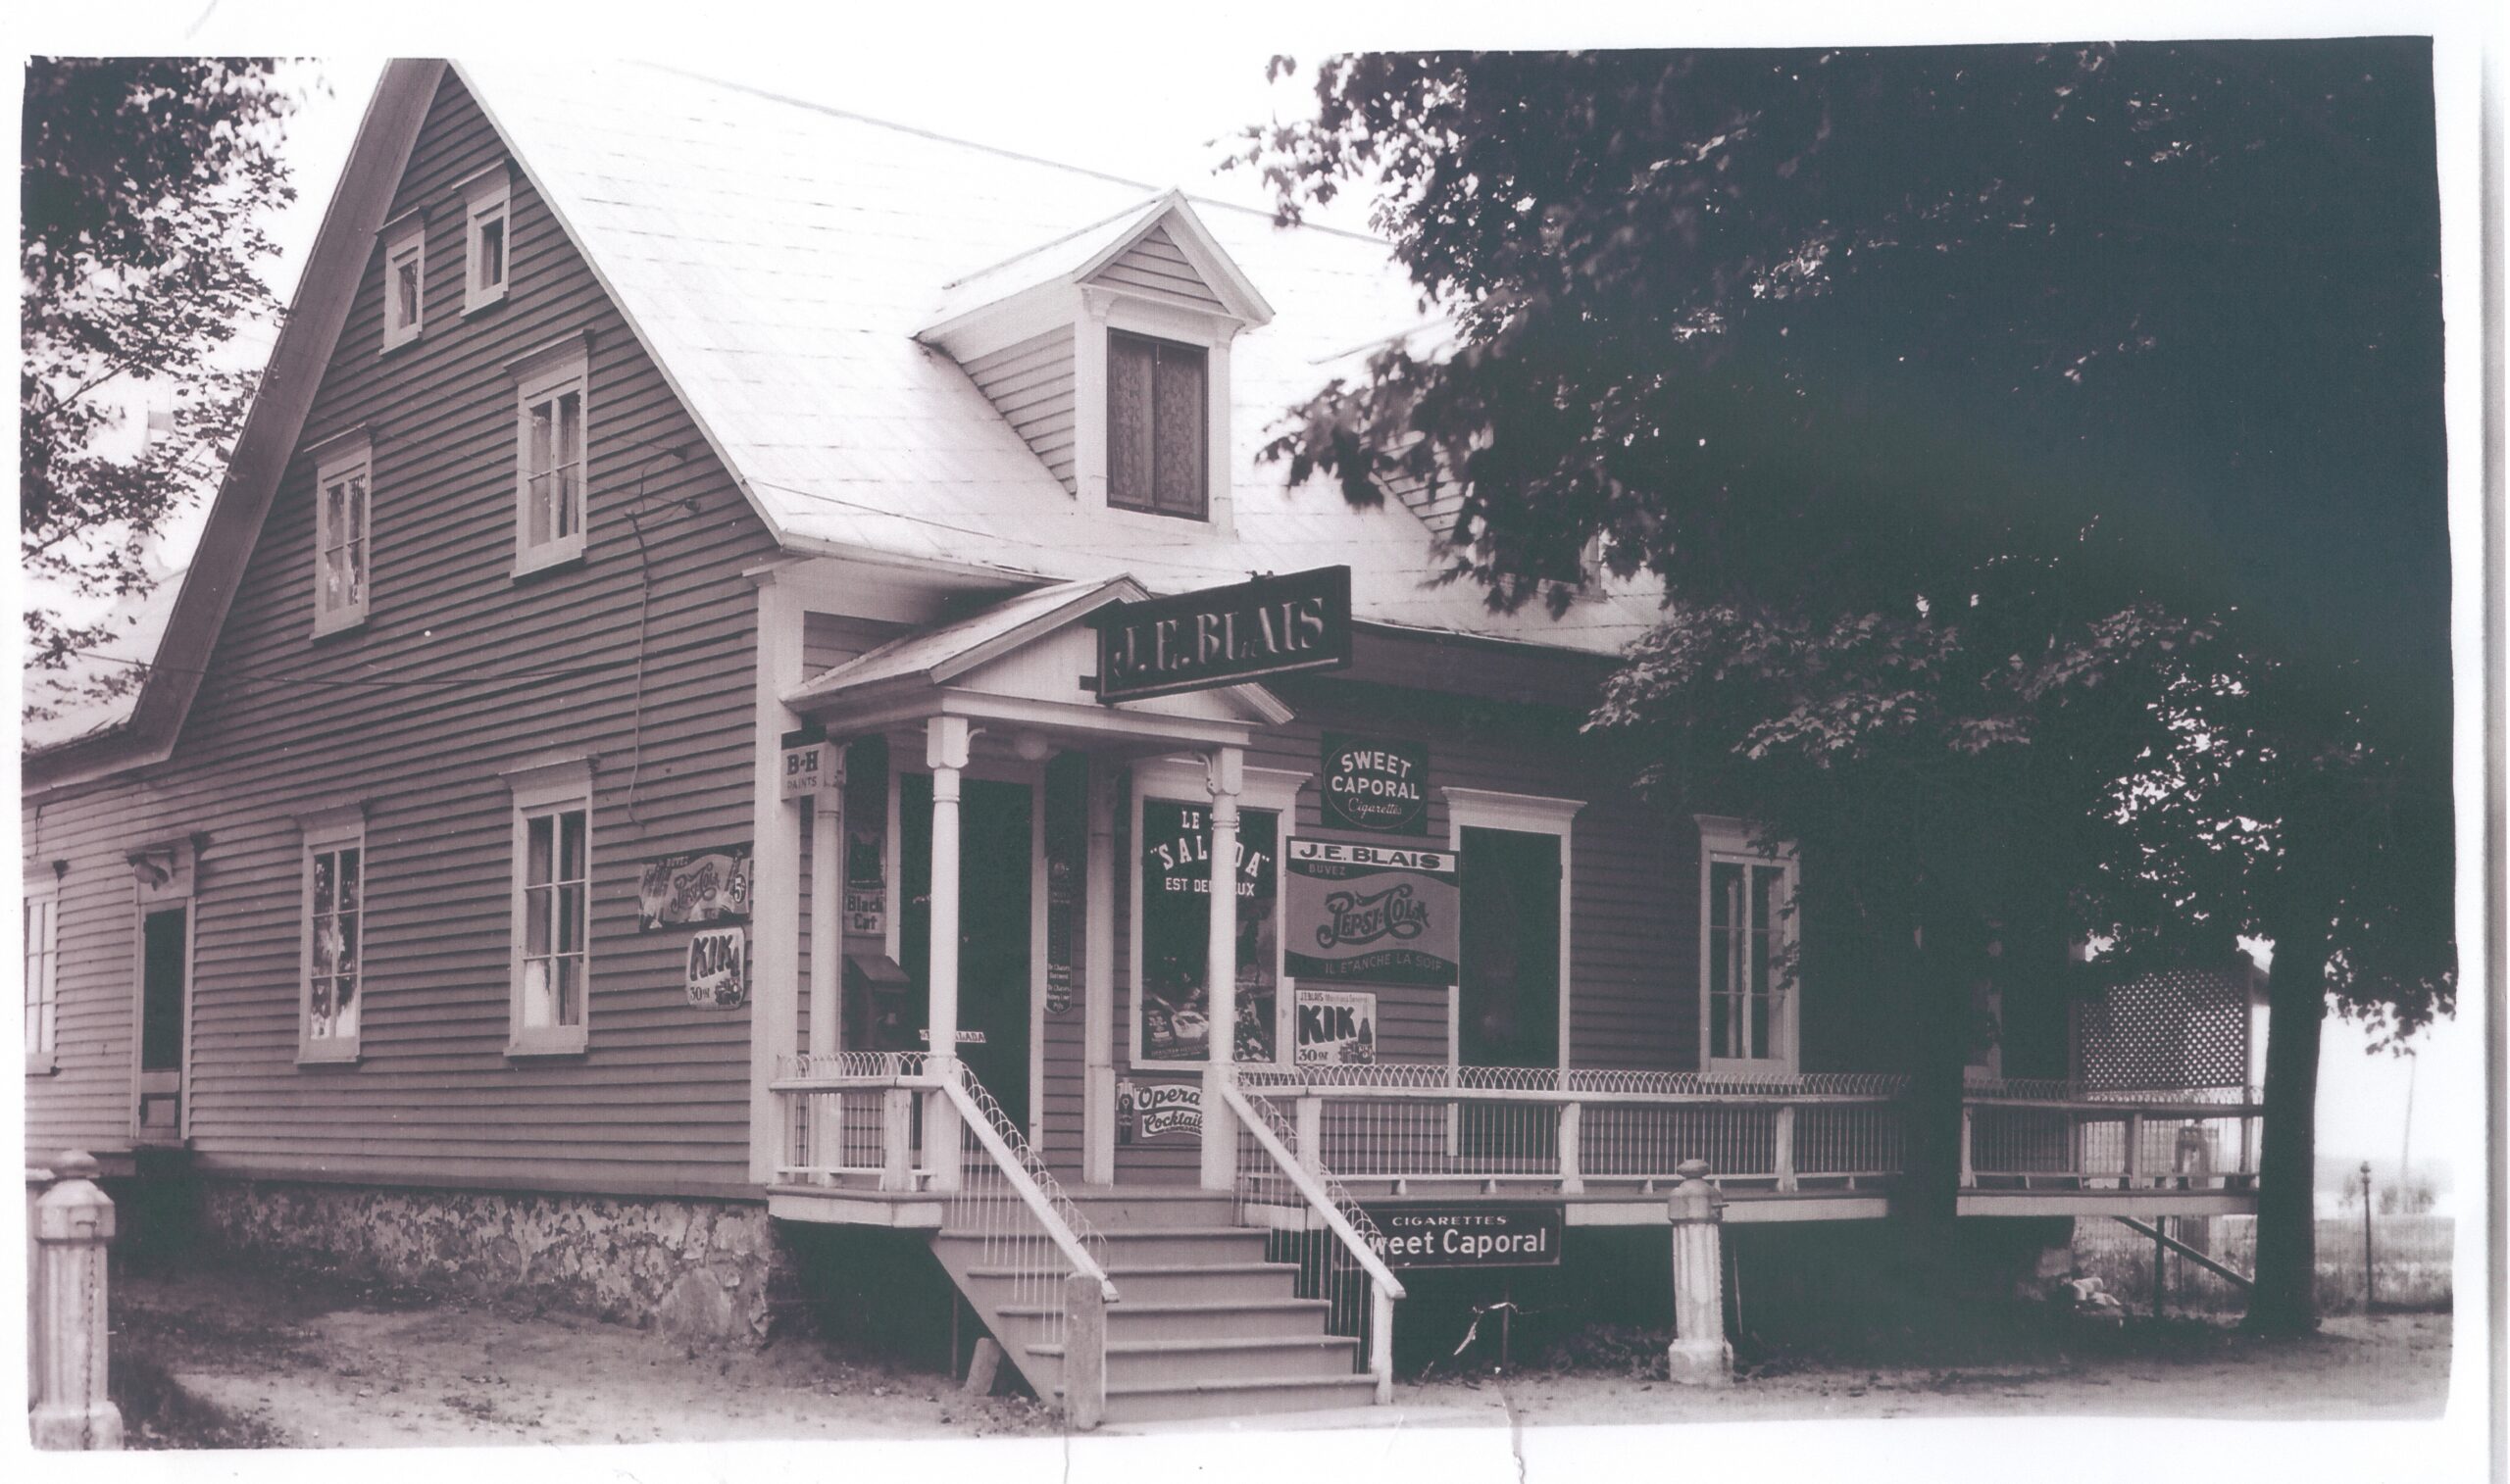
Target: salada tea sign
1337,1027
1176,866
702,886
1223,635
1376,784
719,969
1370,914
1469,1236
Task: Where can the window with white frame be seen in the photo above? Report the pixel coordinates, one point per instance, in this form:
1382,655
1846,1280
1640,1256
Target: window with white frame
550,456
1158,426
1172,831
552,908
334,960
486,198
42,967
343,483
405,280
1511,1002
1746,953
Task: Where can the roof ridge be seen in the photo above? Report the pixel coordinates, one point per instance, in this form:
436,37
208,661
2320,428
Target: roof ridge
938,137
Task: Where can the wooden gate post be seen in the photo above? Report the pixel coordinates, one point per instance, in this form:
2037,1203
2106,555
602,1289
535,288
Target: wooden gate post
1700,1355
73,1225
1085,1353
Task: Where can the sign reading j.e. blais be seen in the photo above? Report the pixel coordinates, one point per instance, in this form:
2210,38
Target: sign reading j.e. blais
1225,635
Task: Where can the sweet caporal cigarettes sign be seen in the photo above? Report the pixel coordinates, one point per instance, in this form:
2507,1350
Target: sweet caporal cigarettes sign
1469,1236
1369,913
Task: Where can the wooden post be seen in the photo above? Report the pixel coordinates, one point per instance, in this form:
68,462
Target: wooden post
1969,1166
1311,1133
1098,983
73,1225
1382,1341
983,1365
897,1139
1700,1355
945,752
1573,1178
2135,1161
1226,771
828,962
1783,1150
1085,1353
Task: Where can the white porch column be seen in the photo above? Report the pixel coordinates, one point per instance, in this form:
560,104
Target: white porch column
828,920
1098,982
776,902
945,752
1226,771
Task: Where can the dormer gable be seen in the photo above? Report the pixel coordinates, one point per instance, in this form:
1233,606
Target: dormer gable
1108,350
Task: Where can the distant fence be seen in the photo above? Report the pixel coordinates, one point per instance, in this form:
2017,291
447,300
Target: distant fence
2411,1258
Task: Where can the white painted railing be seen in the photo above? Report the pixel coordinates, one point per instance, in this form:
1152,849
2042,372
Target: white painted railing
2053,1134
1312,1221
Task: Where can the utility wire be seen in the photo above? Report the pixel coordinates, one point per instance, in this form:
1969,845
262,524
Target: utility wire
468,678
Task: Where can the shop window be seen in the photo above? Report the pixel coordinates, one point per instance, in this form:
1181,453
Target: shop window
551,950
1158,426
334,960
405,281
1171,904
1747,960
42,966
1513,990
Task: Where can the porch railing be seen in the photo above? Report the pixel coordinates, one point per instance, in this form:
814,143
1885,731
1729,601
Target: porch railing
2030,1133
1506,1128
1311,1220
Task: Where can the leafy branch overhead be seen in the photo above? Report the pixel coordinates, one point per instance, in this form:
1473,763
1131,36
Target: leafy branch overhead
145,184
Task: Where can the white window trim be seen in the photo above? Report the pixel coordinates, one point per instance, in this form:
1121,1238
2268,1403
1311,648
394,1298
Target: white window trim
44,981
328,830
1721,838
1524,814
487,197
404,238
540,790
1104,310
1183,780
350,453
543,373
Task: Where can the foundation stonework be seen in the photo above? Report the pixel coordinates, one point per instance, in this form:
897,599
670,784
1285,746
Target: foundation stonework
699,1270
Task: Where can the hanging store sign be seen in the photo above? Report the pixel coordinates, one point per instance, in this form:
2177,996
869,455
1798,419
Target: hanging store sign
814,766
1225,635
702,886
1337,1027
1375,784
719,969
1370,914
1469,1236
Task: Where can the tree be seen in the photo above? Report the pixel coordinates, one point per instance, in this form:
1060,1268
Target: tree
144,187
2011,429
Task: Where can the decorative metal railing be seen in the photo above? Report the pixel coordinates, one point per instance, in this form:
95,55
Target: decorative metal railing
1311,1220
1002,1195
852,1117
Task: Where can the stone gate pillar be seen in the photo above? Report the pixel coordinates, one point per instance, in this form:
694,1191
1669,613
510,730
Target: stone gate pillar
73,1225
1700,1354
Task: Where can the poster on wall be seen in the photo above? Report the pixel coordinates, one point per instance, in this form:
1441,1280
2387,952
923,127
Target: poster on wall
1337,1027
1376,784
1159,1109
866,830
719,969
1370,914
1175,932
700,886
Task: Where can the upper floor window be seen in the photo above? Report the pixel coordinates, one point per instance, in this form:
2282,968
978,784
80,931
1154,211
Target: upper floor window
1747,937
486,198
552,908
42,967
335,951
343,478
405,275
1158,426
549,480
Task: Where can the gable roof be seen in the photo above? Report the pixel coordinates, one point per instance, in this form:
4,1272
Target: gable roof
1082,254
776,260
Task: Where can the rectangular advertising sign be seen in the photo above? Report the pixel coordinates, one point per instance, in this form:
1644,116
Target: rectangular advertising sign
1369,913
1469,1236
1223,635
699,887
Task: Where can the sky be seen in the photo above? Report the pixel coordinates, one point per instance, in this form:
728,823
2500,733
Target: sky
1134,100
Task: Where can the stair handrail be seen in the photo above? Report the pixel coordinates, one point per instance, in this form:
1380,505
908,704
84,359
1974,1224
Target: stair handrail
1327,1203
1037,1188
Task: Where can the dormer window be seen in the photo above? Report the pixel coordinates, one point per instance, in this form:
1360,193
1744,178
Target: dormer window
405,281
1158,426
484,199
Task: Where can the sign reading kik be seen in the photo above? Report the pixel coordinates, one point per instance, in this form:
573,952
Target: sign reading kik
1225,635
1369,913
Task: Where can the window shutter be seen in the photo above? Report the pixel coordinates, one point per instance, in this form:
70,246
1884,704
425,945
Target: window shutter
1130,477
1178,458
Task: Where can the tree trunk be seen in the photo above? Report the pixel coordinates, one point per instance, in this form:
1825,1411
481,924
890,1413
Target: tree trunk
2285,1301
1926,1198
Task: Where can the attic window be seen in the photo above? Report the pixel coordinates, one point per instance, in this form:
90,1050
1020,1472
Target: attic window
342,505
485,239
1158,428
405,285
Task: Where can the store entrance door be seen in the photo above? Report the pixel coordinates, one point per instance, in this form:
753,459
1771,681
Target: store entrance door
996,838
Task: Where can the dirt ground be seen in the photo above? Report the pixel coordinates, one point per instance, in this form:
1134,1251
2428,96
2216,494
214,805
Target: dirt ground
248,1359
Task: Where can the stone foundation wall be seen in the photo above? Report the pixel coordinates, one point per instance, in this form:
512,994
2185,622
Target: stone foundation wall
702,1270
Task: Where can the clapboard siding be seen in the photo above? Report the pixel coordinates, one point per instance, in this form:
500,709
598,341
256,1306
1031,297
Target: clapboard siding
1154,264
1033,386
640,657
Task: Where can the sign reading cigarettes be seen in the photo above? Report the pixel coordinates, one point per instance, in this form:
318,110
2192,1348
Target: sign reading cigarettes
1469,1236
1369,913
1375,784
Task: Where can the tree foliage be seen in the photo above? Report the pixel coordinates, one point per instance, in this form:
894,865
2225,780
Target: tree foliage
143,187
2039,449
